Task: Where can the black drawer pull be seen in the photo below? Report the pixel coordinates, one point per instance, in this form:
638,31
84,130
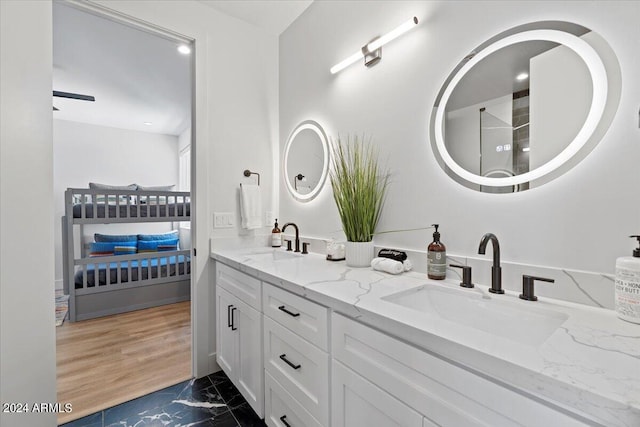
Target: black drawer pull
288,312
284,358
229,322
233,328
284,422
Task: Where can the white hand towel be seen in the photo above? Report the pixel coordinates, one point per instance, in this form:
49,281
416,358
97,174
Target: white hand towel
250,206
408,265
387,265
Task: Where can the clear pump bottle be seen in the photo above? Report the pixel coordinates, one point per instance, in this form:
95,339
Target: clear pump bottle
628,286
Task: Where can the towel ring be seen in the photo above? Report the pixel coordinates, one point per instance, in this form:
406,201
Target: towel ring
248,173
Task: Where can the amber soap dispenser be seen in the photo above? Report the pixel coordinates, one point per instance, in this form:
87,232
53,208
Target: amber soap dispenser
436,257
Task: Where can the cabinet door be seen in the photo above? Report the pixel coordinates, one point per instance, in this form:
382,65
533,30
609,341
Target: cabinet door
250,375
283,410
359,403
225,335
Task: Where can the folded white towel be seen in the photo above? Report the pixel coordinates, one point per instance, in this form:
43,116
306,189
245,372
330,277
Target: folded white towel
407,265
387,265
250,206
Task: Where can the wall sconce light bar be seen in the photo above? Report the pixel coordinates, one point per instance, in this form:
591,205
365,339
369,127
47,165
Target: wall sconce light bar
370,48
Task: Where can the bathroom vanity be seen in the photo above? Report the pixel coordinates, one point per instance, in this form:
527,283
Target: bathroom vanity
315,343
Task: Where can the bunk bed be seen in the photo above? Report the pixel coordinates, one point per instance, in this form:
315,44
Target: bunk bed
123,273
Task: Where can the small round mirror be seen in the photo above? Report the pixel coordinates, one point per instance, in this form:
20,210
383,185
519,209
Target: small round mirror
523,107
306,160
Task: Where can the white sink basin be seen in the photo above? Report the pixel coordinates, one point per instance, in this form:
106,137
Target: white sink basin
520,321
273,254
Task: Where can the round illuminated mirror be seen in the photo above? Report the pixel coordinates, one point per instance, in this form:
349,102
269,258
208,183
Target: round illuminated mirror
306,160
525,106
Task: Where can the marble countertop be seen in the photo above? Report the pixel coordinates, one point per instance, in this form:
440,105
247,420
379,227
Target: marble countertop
590,364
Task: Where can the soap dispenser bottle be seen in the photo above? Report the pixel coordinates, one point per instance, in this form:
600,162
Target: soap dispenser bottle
276,236
628,286
436,257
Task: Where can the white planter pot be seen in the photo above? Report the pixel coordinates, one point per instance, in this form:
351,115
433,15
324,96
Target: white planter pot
359,254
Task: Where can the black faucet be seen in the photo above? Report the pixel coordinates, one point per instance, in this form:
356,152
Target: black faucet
496,270
284,227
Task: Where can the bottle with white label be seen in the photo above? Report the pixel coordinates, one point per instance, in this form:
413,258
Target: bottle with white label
276,236
436,258
628,286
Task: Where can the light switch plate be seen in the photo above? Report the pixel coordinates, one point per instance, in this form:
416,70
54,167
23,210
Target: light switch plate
223,219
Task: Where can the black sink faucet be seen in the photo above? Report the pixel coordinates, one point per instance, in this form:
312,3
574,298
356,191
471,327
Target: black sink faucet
284,227
496,270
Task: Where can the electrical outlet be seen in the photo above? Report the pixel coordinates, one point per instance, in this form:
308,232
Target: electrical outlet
223,220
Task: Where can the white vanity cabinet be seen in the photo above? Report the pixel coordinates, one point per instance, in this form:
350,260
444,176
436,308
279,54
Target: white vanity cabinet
296,360
445,394
239,333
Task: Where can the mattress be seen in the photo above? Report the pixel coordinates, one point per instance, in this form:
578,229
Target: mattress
135,211
148,270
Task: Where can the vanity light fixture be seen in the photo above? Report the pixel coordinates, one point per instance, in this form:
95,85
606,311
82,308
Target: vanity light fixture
372,51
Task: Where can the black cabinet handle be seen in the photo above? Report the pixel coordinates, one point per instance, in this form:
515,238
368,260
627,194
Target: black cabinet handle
284,358
229,321
233,328
284,422
282,308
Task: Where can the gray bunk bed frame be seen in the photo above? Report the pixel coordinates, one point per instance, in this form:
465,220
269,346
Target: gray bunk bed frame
82,206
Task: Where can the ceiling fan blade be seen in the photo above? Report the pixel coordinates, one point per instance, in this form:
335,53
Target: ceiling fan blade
73,96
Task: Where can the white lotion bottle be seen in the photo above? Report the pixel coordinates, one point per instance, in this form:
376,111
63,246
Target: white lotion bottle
627,294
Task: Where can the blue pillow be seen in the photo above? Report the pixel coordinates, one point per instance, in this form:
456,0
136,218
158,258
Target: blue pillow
164,236
108,248
153,245
115,237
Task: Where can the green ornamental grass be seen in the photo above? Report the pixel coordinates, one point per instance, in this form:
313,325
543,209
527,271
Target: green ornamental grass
359,187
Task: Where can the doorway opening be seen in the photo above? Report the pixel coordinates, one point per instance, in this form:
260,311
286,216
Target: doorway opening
134,134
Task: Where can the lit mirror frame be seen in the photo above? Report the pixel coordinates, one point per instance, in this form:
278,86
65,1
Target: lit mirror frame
599,82
315,127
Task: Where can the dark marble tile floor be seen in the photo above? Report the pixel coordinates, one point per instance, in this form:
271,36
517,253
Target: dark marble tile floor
212,401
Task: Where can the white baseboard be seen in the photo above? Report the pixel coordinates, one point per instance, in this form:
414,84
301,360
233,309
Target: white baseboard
213,364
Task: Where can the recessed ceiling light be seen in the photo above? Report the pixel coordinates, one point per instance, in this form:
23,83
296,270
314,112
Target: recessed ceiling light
148,123
184,49
522,76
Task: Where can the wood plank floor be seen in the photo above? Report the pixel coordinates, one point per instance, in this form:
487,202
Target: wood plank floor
106,361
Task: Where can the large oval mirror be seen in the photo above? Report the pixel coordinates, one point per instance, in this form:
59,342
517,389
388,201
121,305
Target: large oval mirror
306,160
524,107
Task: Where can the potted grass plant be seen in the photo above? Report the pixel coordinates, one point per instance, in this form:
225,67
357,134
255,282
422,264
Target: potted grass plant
359,187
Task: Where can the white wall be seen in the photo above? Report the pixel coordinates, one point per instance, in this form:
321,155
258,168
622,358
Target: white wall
27,328
84,153
580,220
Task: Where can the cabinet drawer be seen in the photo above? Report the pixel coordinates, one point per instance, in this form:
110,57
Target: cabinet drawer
305,318
445,393
281,409
243,286
300,367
